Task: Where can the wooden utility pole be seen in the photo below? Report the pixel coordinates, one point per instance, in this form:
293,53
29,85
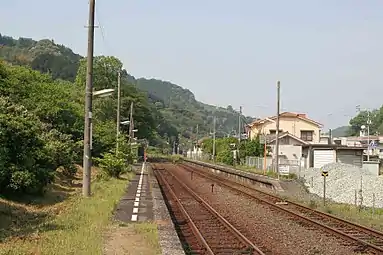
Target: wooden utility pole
131,124
87,160
118,109
277,124
239,125
239,132
214,120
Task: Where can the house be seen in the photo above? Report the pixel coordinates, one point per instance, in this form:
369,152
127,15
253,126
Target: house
290,146
318,155
376,144
296,124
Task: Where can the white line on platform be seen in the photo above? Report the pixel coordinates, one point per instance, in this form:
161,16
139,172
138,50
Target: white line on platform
138,194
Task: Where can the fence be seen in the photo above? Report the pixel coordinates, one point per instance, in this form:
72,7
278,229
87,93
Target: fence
286,166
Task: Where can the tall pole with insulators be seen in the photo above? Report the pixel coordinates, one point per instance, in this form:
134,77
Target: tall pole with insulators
368,135
239,130
87,160
131,124
277,124
214,120
118,109
239,125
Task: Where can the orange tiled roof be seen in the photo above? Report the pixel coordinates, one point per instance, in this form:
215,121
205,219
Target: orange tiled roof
302,116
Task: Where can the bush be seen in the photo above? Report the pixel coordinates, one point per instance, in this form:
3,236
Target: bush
226,157
62,150
112,164
25,164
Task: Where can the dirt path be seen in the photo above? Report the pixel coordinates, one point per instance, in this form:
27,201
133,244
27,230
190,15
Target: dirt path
134,239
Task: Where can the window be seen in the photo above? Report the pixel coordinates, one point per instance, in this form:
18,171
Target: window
307,136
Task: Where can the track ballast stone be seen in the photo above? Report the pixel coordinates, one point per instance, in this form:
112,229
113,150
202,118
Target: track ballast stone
343,182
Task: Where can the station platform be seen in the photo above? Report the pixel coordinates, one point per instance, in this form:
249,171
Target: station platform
137,203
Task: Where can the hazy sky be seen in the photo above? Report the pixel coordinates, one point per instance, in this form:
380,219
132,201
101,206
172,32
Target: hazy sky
327,53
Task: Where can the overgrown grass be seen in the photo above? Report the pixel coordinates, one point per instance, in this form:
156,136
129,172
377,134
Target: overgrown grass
74,226
150,234
271,174
365,216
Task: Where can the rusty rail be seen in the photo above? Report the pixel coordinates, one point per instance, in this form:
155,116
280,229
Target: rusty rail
369,239
253,248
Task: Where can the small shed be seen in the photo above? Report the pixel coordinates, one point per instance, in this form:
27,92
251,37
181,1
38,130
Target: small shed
318,155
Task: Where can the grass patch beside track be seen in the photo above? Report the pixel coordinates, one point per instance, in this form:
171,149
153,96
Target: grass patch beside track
70,225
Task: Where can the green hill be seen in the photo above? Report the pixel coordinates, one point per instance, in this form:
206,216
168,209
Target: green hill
177,105
340,131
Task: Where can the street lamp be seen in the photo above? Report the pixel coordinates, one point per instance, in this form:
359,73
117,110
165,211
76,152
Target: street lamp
99,93
87,150
369,122
103,93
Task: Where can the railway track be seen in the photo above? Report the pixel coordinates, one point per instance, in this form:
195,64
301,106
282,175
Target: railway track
212,233
366,239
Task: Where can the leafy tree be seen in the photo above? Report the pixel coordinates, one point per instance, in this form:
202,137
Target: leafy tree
376,117
25,165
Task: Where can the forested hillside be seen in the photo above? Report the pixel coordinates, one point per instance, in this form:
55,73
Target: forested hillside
178,106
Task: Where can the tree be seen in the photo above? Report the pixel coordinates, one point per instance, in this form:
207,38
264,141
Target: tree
25,166
356,123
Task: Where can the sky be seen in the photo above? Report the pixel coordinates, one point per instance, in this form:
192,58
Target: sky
327,54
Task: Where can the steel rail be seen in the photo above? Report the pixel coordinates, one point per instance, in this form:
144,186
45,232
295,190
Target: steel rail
225,182
227,224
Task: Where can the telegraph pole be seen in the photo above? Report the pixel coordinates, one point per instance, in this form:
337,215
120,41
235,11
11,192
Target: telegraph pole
239,131
368,135
87,160
277,132
131,127
214,138
197,134
118,109
239,125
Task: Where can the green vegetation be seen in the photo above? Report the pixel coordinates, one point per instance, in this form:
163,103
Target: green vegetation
172,110
340,131
224,149
365,216
41,133
376,117
73,227
149,232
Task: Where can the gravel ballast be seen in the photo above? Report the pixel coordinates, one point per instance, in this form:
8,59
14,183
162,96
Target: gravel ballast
168,238
270,230
344,182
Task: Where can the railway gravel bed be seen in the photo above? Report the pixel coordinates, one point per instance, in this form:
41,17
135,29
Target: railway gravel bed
366,238
276,232
202,229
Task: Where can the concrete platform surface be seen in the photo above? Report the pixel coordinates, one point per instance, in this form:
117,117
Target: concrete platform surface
137,202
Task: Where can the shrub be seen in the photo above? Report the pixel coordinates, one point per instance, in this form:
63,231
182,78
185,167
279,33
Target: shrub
25,162
226,157
112,164
62,150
